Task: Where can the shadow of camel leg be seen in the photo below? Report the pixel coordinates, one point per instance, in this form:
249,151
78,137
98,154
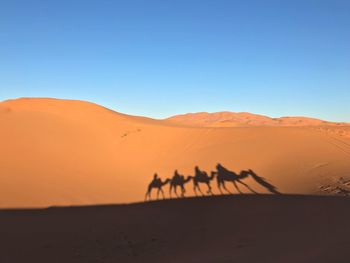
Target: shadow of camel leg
209,189
161,190
224,186
195,186
200,190
239,181
234,183
219,187
158,193
176,191
183,191
170,190
148,195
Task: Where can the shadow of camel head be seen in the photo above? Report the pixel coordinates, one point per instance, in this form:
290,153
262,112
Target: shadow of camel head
262,181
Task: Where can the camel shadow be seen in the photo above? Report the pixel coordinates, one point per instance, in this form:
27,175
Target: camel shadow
156,183
176,181
224,175
201,177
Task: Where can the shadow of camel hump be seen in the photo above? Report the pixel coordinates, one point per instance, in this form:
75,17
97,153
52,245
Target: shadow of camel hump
157,184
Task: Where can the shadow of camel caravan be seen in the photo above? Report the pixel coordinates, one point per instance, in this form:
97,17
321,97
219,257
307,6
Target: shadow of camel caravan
222,176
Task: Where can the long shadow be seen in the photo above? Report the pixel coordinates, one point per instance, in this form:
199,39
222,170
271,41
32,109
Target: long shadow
262,181
224,175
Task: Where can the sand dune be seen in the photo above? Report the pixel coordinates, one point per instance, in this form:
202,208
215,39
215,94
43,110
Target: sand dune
234,119
61,152
243,229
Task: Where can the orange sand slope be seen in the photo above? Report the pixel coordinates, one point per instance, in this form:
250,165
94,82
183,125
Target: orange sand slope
59,152
262,228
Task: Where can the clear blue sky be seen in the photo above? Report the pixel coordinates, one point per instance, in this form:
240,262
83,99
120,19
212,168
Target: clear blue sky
159,58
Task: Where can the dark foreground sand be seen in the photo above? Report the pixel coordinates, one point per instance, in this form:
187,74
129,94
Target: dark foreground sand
247,228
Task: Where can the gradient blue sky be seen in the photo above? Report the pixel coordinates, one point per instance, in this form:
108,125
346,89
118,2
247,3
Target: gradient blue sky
159,58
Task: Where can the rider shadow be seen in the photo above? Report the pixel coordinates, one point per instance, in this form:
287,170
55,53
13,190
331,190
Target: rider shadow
178,180
201,177
157,184
224,175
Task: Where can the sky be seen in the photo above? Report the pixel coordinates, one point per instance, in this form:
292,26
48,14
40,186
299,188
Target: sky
159,58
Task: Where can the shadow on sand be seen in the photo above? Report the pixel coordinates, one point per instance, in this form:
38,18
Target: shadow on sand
222,175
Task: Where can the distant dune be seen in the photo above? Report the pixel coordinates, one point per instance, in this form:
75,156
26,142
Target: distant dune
234,119
63,152
245,229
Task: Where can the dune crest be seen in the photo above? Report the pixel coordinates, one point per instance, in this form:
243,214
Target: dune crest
234,119
63,152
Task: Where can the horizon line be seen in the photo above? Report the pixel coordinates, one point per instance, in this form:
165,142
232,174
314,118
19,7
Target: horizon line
177,114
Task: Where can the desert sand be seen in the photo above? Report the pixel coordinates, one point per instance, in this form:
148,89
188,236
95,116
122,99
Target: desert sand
248,228
244,119
65,152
